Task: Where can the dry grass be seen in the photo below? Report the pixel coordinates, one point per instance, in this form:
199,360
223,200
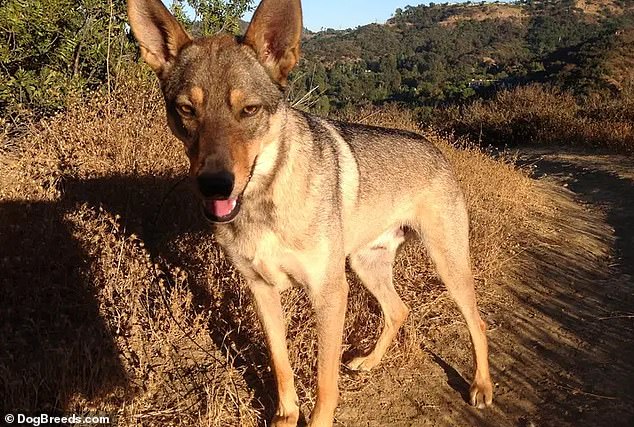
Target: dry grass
619,65
537,114
481,12
117,299
599,8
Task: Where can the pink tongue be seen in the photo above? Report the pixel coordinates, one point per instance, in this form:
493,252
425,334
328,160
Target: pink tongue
222,208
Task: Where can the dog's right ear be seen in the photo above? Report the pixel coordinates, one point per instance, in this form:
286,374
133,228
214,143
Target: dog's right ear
159,34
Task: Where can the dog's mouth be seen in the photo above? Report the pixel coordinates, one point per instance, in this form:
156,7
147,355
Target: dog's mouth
221,211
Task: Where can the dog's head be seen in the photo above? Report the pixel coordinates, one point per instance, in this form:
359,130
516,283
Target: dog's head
221,92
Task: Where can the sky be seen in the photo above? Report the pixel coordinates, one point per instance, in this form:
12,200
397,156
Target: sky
342,14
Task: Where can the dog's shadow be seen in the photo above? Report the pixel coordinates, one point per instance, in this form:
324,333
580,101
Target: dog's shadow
56,346
454,379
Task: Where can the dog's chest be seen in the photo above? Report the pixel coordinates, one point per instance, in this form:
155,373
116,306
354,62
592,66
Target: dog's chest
263,255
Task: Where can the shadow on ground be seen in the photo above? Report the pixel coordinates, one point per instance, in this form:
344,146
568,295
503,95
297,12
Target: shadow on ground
54,343
55,346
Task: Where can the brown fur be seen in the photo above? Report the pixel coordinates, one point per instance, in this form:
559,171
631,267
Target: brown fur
310,192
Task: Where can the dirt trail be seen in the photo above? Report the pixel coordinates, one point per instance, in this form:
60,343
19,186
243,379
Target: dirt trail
562,344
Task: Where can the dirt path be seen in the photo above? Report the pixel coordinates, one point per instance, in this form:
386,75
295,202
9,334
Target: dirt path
562,345
586,316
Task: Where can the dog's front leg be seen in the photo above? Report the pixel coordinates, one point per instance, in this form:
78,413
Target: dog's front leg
269,309
329,303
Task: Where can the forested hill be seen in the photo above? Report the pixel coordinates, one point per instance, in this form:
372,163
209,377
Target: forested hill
426,55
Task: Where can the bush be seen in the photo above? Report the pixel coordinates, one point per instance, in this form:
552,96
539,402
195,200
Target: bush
544,115
53,51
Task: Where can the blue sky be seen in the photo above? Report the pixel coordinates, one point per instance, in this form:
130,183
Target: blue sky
342,14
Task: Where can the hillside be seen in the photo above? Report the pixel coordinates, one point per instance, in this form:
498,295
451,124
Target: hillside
485,12
598,9
429,55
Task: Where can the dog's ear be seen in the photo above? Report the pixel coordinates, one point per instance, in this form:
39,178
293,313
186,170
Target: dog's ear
275,33
159,34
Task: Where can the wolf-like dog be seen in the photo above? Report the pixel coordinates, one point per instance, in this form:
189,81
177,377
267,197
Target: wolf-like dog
292,196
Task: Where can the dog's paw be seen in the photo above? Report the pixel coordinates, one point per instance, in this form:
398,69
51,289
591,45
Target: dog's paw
289,420
363,363
286,415
481,393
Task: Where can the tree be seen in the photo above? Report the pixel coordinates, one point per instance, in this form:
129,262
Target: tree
55,50
179,10
51,49
212,16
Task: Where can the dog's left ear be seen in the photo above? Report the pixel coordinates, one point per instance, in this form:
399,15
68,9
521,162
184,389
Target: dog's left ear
275,33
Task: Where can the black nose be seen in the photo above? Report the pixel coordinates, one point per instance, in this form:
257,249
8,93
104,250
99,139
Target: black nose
218,185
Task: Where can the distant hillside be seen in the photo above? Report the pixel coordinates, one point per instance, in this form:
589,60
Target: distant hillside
598,9
426,55
485,12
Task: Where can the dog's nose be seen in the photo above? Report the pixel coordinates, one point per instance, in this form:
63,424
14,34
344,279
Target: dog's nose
217,185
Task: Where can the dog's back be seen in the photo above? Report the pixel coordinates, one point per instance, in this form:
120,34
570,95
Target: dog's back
383,175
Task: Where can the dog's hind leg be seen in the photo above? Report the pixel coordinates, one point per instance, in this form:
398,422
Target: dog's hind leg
373,265
444,228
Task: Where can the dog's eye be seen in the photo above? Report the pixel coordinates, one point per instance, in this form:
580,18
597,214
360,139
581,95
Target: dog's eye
251,110
185,110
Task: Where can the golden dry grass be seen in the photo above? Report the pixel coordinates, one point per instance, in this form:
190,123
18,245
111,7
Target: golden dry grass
481,12
117,299
543,115
598,8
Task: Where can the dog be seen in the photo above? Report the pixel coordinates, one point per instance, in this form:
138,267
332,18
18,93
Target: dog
293,196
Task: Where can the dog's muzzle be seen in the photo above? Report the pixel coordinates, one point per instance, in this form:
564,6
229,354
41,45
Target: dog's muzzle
219,209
